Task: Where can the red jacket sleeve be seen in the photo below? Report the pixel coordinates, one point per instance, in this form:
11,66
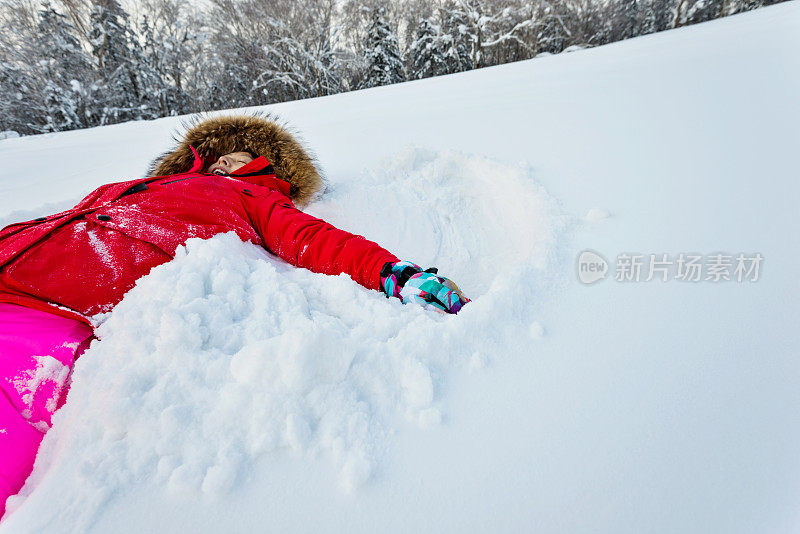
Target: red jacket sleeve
312,243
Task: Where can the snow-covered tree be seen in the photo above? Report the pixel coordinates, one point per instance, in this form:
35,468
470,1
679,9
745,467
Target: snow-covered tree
65,70
458,39
171,35
76,63
656,15
161,91
624,19
301,59
235,54
117,93
589,23
551,32
426,53
384,65
488,32
15,95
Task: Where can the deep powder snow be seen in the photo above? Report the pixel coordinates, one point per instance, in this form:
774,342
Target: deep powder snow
227,353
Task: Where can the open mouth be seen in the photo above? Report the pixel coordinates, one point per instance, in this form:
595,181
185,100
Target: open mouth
219,172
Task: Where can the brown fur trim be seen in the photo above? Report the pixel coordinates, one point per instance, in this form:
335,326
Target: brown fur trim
258,134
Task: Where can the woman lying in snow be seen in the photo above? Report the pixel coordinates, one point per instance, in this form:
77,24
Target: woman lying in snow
57,271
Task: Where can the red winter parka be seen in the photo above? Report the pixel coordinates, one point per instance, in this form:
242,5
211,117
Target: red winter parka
81,262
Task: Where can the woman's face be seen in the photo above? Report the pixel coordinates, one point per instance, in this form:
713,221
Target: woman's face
230,162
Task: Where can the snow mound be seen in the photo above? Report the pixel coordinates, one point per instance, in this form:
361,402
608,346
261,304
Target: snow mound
596,215
473,217
227,354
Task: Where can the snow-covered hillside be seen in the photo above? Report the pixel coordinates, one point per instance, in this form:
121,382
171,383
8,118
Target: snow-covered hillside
232,392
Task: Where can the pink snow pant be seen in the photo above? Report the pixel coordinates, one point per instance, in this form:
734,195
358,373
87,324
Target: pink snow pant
37,351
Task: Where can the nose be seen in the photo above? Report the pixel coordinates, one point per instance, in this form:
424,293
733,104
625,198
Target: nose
225,162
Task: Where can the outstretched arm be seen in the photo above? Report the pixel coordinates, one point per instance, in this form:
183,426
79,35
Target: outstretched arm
309,242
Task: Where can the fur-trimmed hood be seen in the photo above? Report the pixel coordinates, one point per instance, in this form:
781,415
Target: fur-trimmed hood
258,134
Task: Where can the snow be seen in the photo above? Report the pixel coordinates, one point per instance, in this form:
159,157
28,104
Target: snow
232,392
227,354
50,373
98,245
595,215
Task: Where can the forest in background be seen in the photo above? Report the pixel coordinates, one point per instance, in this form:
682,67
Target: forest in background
68,64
